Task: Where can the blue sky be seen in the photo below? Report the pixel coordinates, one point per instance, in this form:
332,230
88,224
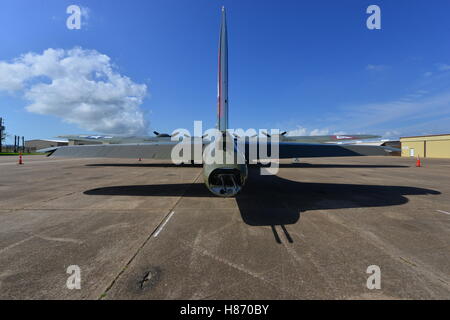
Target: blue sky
308,66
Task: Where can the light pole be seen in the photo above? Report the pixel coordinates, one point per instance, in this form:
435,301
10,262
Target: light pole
2,128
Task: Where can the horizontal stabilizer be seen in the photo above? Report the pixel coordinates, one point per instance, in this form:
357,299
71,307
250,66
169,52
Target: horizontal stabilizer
163,150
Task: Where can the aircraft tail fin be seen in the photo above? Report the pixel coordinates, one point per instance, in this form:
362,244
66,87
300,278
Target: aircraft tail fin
222,80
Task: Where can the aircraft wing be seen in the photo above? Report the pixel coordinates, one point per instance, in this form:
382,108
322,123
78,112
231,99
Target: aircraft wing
158,150
329,138
308,150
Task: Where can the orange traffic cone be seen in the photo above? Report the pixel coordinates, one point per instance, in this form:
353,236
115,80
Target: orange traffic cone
20,158
140,159
418,164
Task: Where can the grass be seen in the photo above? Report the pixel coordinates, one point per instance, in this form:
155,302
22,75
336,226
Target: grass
17,153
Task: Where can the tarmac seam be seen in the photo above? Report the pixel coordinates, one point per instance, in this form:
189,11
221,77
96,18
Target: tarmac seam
103,295
70,209
258,276
292,252
16,244
40,236
417,267
58,197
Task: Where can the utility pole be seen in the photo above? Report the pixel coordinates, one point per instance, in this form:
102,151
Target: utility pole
2,128
23,144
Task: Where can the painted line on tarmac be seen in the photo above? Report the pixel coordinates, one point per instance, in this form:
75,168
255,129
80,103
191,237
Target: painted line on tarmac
163,225
444,212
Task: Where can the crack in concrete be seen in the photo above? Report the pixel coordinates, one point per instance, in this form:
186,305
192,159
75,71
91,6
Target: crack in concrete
146,278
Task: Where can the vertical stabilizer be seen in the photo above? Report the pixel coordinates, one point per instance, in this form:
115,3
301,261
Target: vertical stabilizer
222,81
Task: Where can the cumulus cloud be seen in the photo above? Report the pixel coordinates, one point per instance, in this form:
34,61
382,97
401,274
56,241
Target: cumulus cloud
319,132
79,86
301,131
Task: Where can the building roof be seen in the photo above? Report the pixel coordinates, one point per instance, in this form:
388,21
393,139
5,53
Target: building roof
47,140
429,135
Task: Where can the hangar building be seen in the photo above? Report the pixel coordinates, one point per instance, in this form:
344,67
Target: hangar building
33,145
74,142
432,146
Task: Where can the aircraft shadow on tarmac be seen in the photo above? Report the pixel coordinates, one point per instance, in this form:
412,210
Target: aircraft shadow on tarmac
281,165
272,200
143,165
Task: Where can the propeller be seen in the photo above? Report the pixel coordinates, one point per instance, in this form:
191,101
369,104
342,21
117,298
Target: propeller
165,135
268,135
238,136
188,136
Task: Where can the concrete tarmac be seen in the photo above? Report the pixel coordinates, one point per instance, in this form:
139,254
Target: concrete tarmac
146,230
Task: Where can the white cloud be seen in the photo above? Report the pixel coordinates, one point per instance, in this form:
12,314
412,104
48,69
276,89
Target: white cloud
443,67
301,131
375,67
319,132
79,86
403,116
391,134
85,15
